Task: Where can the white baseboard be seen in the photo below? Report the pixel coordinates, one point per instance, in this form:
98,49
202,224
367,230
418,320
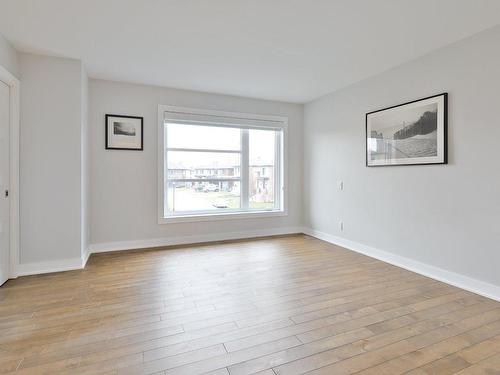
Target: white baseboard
464,282
49,266
85,258
170,241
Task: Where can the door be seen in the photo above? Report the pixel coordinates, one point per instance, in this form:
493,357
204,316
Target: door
4,182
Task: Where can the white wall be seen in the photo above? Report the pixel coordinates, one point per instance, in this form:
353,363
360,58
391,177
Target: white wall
50,176
444,216
124,183
9,58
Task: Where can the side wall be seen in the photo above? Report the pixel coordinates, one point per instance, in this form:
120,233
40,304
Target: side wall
445,217
9,58
51,119
124,183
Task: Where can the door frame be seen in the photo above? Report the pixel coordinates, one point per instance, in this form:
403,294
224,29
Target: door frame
14,99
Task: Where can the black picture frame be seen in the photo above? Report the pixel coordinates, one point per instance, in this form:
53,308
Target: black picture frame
106,131
444,132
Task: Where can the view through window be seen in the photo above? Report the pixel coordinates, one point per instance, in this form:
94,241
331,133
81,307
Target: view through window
210,169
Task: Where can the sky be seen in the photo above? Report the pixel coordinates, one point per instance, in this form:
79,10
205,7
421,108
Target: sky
397,116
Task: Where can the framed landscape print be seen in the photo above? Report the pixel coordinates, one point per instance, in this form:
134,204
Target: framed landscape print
412,133
124,132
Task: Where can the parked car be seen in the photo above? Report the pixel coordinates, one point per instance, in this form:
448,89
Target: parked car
220,204
208,188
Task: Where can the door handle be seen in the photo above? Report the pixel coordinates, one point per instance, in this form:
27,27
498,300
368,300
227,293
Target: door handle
6,193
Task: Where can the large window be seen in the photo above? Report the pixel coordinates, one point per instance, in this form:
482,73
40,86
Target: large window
220,165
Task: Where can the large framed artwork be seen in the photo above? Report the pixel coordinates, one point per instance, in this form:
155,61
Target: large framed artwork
412,133
124,132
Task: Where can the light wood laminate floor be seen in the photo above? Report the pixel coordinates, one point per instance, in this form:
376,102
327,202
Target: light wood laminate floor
285,306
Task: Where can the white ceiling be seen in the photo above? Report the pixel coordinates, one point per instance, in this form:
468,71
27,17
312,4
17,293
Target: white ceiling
290,50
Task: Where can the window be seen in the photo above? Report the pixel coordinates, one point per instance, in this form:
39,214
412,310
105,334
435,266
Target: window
220,165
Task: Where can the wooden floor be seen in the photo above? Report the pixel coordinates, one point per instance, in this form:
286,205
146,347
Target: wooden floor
289,305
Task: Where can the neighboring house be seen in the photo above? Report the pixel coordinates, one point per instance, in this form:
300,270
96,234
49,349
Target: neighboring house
214,172
179,173
261,179
262,183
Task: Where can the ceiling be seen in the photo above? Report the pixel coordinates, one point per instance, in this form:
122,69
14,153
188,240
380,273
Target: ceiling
289,50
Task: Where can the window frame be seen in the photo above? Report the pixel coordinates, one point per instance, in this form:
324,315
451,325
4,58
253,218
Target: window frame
231,119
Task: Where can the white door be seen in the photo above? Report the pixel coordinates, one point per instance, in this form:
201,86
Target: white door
4,182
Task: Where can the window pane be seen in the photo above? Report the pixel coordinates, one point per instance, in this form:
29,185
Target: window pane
213,181
262,150
203,166
202,137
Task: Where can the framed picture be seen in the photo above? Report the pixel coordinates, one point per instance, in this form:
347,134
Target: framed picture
124,132
412,133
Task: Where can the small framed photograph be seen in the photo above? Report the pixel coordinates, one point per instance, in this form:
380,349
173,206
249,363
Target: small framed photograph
412,133
124,132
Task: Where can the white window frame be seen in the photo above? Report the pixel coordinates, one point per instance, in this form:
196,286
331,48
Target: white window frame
230,119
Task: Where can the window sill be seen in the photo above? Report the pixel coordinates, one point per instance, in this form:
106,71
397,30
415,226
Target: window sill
220,216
